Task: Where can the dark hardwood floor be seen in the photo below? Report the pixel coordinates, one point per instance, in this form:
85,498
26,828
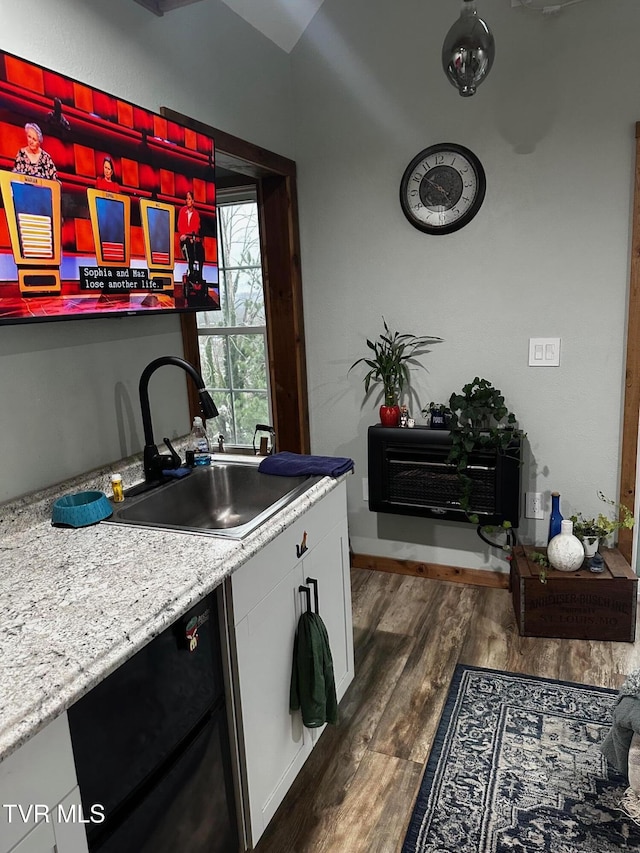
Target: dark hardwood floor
356,791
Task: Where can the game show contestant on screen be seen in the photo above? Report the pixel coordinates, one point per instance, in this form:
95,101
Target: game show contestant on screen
107,181
190,239
33,160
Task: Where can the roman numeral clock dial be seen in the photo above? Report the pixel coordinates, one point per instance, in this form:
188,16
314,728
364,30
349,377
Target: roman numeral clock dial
442,188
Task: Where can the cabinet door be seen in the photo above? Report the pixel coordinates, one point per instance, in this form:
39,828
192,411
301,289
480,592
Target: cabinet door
40,840
276,743
40,773
267,605
69,824
328,562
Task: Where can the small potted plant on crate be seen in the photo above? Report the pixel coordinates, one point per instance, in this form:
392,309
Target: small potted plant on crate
592,530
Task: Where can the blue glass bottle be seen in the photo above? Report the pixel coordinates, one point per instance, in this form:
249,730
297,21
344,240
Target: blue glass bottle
555,522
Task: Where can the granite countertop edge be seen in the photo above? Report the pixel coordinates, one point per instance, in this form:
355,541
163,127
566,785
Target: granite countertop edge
78,603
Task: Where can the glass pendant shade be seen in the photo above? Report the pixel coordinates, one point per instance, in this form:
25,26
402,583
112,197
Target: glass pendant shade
468,50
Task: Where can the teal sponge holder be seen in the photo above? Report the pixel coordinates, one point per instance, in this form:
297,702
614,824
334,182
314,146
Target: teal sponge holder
81,509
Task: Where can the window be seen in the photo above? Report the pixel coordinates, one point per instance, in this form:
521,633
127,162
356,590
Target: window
277,195
233,341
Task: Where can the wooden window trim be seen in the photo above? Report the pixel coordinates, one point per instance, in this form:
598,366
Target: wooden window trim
278,207
631,413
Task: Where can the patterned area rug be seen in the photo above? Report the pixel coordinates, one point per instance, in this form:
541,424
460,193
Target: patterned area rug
516,768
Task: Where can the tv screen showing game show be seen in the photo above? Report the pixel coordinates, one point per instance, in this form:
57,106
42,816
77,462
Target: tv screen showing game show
106,208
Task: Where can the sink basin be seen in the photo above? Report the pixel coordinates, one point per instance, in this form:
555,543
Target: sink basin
228,499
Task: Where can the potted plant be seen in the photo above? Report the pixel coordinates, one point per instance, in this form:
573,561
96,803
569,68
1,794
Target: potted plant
439,415
592,530
479,420
391,356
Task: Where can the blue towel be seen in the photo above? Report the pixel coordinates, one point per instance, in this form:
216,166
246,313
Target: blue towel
297,464
176,473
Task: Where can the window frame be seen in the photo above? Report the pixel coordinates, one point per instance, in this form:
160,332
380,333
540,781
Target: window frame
275,178
228,197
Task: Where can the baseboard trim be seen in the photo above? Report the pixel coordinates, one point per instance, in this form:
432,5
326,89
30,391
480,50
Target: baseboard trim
455,574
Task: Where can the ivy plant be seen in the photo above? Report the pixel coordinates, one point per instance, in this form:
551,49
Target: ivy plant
480,420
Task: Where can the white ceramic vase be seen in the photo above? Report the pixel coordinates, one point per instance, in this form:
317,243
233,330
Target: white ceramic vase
565,552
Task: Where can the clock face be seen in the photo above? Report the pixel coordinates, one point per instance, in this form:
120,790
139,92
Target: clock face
442,188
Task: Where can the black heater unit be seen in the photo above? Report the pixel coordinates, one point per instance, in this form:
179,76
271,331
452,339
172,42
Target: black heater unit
409,474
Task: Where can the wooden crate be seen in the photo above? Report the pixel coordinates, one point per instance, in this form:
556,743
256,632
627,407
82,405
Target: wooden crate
577,605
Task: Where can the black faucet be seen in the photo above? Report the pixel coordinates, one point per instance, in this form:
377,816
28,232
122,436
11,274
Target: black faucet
154,461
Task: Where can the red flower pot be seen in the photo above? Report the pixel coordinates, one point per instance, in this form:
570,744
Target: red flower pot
390,416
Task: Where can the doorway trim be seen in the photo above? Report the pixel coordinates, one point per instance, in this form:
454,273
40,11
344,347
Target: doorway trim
631,412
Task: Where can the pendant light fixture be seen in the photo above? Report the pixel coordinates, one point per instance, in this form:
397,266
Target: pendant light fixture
468,50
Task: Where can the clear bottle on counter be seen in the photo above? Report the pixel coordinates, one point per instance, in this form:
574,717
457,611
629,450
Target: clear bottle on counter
116,488
200,443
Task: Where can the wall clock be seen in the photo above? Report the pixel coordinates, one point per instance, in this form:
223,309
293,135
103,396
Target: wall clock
442,188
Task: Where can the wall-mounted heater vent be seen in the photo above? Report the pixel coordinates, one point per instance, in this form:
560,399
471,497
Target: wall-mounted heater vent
409,474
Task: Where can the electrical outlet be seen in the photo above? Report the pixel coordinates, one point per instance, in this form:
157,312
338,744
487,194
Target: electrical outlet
365,489
533,505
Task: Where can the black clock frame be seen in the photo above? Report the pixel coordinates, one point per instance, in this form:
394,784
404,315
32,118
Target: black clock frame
468,215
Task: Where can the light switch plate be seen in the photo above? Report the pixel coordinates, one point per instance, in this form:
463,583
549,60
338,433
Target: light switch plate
544,352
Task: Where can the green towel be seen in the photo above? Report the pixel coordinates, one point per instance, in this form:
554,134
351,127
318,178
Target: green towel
313,686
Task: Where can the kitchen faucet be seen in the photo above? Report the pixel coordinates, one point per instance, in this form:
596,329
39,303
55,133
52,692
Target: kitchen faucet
154,461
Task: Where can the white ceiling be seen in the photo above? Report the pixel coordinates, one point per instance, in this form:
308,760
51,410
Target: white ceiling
282,21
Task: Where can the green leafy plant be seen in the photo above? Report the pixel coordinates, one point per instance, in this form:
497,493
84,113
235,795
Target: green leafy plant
504,530
480,420
440,408
392,355
542,560
603,525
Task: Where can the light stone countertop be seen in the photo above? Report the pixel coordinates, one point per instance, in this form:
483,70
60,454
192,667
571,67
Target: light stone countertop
78,603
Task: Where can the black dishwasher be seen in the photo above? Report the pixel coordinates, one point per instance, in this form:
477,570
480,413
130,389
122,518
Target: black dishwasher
151,746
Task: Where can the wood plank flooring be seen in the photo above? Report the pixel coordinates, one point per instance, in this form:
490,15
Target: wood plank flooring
356,791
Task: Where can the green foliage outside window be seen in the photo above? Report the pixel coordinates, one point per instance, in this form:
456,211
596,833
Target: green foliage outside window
232,341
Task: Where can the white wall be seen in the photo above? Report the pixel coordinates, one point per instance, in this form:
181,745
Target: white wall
548,254
69,391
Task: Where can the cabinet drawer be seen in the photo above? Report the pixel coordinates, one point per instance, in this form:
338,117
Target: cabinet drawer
39,840
253,581
41,773
68,824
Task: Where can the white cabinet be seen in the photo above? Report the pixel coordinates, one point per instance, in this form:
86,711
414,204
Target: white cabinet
267,604
68,824
40,840
40,807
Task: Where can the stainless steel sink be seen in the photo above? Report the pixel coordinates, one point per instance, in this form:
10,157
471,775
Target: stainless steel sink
228,499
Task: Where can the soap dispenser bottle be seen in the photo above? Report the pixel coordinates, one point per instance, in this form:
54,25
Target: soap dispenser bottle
200,443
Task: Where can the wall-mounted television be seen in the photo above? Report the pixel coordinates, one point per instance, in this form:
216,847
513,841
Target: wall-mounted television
106,208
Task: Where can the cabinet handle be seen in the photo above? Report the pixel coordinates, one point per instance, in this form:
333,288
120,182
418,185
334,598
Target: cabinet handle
307,593
314,584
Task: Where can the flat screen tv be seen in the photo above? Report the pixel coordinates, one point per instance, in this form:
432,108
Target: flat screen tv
106,208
